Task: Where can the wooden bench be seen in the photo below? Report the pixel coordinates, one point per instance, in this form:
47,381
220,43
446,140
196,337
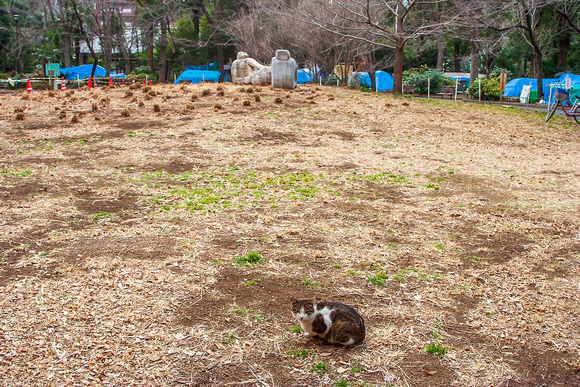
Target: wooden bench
409,89
450,90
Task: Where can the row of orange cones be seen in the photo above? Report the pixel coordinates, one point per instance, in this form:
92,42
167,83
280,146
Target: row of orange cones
90,85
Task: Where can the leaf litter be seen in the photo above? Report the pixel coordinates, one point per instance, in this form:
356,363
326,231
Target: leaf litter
119,235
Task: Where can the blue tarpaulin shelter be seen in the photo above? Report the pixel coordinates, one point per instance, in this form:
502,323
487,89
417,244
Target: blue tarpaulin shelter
514,87
305,76
574,78
197,76
546,82
384,80
84,71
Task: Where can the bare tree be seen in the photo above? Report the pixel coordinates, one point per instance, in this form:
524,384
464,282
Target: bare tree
259,31
84,33
388,24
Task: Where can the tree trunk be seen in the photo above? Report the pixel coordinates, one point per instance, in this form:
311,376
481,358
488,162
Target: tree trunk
539,73
440,52
519,66
532,27
163,53
67,46
124,52
440,37
474,73
371,71
78,55
457,57
107,51
563,49
87,39
219,39
533,66
150,47
399,61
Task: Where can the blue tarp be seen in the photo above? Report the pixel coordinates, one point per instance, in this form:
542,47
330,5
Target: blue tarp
197,76
383,80
514,87
460,79
305,76
84,71
573,77
546,86
213,66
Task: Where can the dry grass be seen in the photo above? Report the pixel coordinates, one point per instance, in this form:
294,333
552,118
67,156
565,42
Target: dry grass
442,224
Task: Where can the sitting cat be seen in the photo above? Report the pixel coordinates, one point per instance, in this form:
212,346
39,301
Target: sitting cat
334,322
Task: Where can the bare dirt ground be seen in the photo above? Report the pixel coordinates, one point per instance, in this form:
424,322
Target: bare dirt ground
453,229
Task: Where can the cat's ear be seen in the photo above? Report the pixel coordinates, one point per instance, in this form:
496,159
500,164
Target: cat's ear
293,300
317,299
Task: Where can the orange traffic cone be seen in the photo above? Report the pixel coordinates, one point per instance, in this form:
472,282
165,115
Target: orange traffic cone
90,85
123,82
133,81
28,85
63,85
110,81
150,83
144,81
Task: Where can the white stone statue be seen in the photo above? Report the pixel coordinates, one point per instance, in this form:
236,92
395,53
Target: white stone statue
284,70
250,71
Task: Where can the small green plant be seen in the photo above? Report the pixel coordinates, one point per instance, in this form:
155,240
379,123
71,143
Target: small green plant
238,310
319,367
252,258
356,370
295,329
230,338
437,349
379,279
253,282
435,335
101,215
399,277
301,353
439,247
258,317
341,383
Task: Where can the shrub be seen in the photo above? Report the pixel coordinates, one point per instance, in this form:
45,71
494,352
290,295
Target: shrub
421,77
489,87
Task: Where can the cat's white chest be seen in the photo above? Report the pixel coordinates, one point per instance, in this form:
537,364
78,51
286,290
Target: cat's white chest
325,313
307,323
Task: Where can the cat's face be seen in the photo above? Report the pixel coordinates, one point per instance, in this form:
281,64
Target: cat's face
302,308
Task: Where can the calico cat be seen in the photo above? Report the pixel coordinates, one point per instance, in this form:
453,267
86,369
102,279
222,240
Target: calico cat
334,322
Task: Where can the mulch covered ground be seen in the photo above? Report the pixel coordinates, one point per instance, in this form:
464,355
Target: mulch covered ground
452,228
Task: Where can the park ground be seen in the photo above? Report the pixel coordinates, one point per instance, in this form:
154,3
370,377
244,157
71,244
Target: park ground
452,228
